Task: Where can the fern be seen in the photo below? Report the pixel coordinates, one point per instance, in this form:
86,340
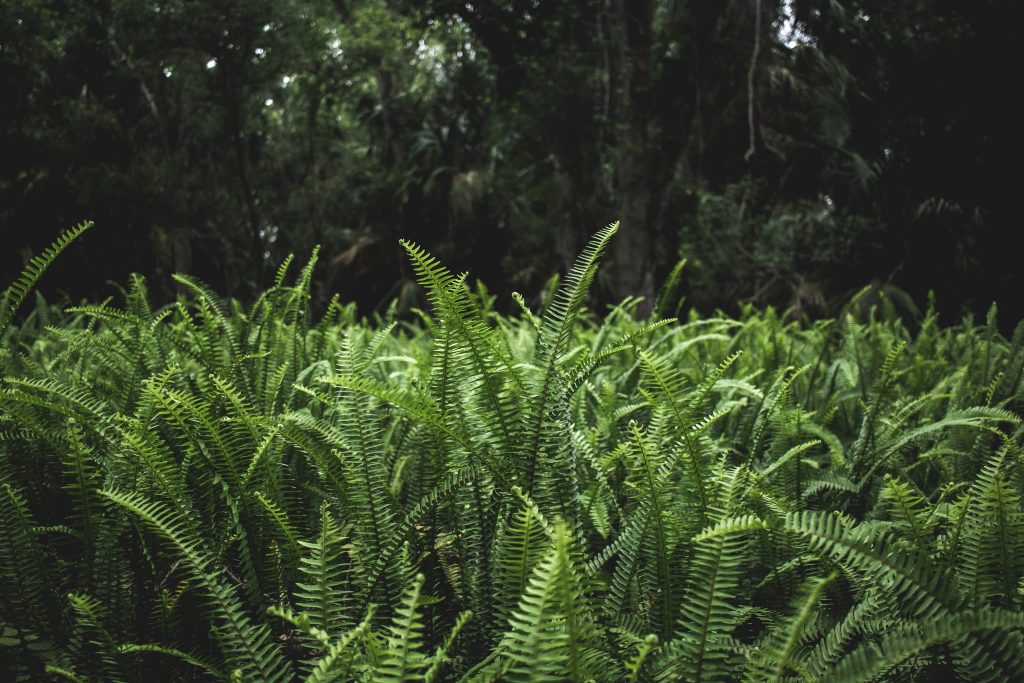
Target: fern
247,647
521,546
222,491
550,631
543,437
781,656
872,659
322,592
14,295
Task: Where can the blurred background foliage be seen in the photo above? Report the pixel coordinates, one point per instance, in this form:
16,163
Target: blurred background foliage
793,151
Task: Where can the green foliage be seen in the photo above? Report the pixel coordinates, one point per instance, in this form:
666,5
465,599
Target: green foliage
14,295
214,138
206,491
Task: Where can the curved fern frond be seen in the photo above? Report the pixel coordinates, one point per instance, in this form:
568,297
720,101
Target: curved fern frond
520,547
14,295
781,656
543,435
247,647
873,659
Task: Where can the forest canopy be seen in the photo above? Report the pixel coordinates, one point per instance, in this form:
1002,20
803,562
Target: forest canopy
792,151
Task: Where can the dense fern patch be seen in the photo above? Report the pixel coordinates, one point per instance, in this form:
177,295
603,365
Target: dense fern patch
209,491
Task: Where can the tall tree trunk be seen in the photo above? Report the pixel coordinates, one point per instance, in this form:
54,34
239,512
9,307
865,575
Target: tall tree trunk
235,86
634,247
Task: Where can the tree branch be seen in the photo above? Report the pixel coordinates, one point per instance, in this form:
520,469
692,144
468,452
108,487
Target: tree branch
750,82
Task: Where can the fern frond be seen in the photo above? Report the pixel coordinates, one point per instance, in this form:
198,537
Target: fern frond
520,547
14,295
542,437
24,590
781,657
247,647
326,571
872,659
199,663
993,537
701,651
551,630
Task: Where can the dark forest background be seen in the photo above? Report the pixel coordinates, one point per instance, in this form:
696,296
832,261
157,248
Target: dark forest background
792,151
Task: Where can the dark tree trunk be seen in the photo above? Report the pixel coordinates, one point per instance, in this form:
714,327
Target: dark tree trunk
634,246
235,90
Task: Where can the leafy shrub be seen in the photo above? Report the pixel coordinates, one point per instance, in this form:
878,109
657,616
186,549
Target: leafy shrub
218,492
808,255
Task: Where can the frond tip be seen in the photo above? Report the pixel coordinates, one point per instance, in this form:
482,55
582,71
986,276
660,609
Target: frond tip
16,293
